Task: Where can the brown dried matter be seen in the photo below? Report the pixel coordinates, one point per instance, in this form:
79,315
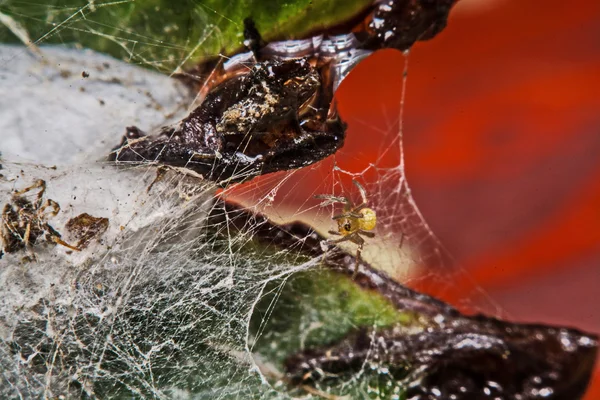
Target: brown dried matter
395,24
269,119
399,24
279,114
86,228
459,356
25,223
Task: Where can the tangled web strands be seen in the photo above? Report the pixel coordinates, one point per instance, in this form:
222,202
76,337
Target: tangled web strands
157,313
195,297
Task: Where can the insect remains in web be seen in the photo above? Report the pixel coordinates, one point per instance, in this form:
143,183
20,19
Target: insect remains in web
353,223
24,223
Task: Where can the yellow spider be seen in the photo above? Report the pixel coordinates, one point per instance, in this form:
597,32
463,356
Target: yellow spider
356,220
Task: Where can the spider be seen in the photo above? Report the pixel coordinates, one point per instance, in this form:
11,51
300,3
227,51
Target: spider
356,221
24,222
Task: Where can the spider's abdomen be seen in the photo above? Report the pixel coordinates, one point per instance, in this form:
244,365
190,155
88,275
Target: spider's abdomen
369,219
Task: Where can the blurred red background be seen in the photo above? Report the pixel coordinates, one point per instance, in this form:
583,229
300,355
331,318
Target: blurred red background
502,145
502,142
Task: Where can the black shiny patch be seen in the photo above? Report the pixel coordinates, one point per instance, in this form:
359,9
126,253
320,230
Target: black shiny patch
267,120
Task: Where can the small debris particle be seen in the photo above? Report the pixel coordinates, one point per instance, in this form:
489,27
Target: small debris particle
65,73
25,223
86,228
101,102
85,74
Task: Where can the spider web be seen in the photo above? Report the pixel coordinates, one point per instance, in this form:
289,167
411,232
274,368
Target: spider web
182,298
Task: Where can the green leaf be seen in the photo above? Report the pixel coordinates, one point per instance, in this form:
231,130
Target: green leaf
317,308
167,34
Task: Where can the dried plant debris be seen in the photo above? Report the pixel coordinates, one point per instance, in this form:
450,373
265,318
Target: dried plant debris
336,48
399,24
437,353
25,222
267,120
278,114
472,358
395,24
86,228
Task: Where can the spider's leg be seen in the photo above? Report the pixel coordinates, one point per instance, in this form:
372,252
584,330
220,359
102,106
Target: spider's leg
54,236
340,240
316,392
330,199
5,215
58,240
355,238
9,226
367,233
356,209
41,184
347,215
333,241
27,233
340,199
50,203
363,192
